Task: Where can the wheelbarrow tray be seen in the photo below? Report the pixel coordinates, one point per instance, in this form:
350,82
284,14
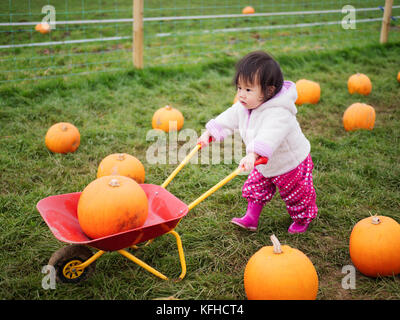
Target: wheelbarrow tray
60,214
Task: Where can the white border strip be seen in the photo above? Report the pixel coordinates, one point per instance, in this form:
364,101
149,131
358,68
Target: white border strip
266,14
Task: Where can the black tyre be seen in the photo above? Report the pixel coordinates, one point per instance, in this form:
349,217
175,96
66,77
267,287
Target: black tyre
65,259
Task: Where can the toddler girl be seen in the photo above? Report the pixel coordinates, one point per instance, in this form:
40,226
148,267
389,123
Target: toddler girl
265,115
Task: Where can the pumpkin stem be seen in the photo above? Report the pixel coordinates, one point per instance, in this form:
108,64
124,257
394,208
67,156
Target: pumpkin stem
375,220
64,127
114,183
121,157
276,243
168,107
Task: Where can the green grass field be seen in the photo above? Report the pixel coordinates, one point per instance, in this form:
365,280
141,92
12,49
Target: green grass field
356,175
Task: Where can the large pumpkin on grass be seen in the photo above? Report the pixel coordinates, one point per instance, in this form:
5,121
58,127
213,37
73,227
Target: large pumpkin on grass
111,204
375,246
307,92
359,116
359,83
122,164
62,137
280,273
165,117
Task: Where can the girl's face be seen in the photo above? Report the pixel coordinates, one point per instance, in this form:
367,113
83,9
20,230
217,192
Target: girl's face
249,95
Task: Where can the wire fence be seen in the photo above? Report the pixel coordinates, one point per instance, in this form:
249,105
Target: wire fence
90,36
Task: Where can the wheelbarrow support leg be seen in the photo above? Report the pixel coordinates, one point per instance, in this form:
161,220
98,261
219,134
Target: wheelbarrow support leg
93,258
142,264
181,254
151,269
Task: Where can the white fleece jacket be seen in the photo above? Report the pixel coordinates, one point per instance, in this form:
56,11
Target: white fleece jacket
271,130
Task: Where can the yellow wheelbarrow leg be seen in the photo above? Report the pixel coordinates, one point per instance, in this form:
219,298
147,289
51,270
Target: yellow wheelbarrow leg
142,264
93,258
151,269
181,254
135,247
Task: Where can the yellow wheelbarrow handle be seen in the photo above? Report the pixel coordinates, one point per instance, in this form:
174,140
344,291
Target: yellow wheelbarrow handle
259,161
181,165
190,207
214,188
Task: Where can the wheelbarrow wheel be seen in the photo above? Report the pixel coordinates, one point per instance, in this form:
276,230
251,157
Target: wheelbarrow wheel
65,259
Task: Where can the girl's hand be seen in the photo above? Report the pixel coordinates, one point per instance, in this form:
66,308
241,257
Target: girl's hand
204,139
247,163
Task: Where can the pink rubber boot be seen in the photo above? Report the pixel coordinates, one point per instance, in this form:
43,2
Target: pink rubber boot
297,227
250,220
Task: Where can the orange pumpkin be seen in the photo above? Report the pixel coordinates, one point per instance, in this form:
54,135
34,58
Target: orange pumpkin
359,116
398,77
111,204
359,83
307,92
375,246
165,118
43,27
122,164
62,137
248,10
280,273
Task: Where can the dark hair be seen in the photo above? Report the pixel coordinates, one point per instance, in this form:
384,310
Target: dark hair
259,67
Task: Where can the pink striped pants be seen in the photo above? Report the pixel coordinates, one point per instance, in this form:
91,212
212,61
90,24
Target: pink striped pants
295,187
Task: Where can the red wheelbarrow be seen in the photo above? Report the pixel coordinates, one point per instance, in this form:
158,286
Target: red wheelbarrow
76,262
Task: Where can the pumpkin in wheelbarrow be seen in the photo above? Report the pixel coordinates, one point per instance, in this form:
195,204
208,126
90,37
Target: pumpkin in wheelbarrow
110,205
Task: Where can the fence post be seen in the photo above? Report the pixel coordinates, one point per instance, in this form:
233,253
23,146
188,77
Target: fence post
386,21
138,33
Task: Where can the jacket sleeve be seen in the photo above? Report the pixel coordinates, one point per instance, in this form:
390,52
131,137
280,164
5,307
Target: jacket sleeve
224,124
273,127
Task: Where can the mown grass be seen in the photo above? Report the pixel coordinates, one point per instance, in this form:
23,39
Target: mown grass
356,174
